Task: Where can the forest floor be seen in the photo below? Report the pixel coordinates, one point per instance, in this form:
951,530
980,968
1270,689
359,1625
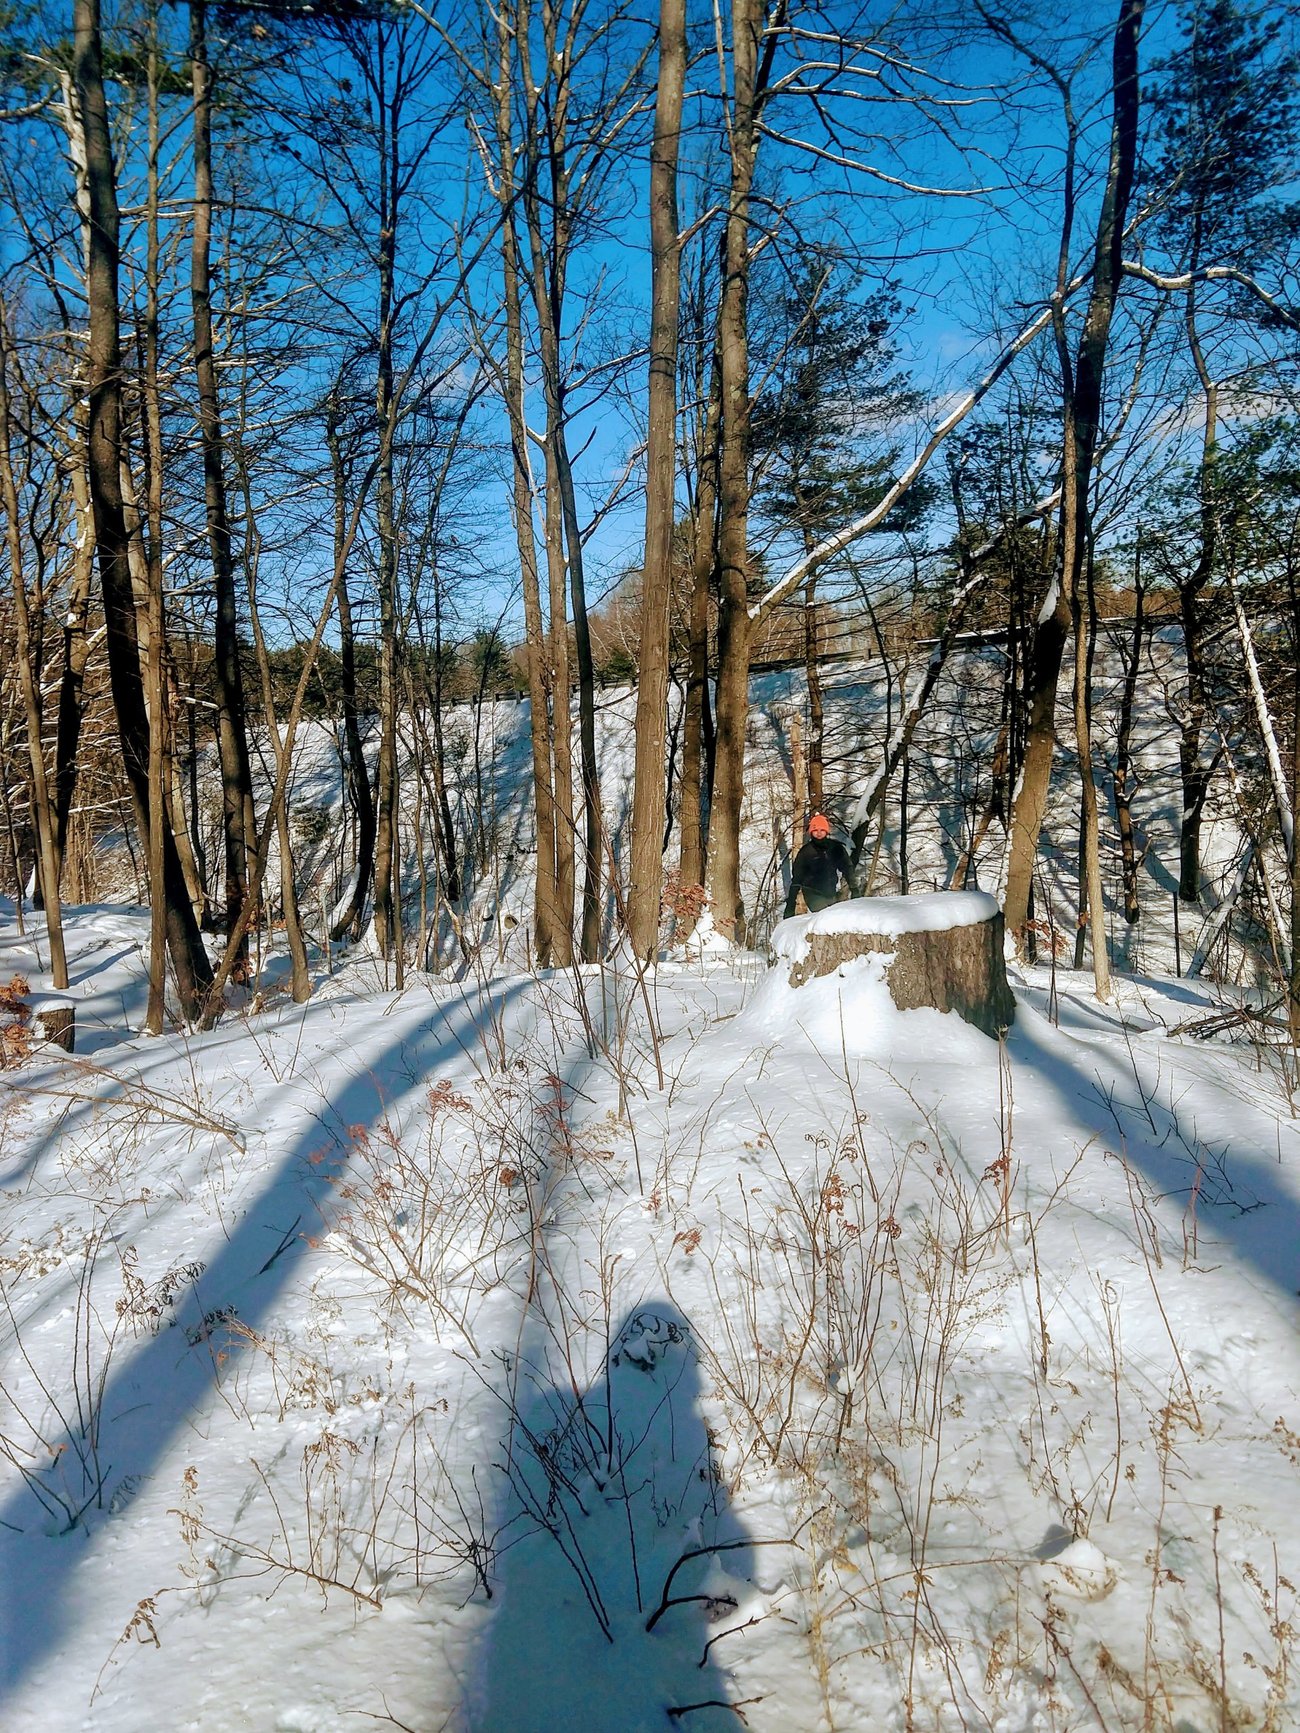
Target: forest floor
591,1351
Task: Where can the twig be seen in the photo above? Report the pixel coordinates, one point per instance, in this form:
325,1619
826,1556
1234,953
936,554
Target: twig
715,1703
285,1242
707,1552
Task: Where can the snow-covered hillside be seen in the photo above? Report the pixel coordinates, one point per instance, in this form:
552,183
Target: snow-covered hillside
948,790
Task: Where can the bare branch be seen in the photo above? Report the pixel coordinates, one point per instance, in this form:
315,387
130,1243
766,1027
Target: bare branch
1215,274
826,550
865,168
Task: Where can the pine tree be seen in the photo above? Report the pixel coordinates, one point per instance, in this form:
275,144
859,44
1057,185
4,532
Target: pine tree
816,435
1227,109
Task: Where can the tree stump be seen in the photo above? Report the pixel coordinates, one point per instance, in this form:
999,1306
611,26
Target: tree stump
56,1023
944,951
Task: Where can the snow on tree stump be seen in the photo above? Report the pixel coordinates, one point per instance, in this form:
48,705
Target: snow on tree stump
56,1022
944,951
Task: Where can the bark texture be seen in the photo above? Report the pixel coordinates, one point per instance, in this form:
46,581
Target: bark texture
58,1026
958,969
232,741
732,706
190,962
350,916
697,734
649,792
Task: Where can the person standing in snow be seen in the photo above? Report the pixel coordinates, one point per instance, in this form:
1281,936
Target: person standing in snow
818,868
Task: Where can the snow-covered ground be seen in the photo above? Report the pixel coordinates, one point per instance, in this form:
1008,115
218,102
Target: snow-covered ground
593,1352
583,1352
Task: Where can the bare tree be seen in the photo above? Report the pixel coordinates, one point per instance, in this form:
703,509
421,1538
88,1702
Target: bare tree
1082,381
650,793
43,821
193,972
547,654
232,739
348,916
751,62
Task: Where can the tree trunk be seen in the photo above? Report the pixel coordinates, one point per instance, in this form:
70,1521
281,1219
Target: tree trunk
816,709
190,963
1082,390
300,974
156,607
144,557
11,831
547,137
650,792
1084,624
1194,774
593,831
561,719
551,919
76,644
1129,862
183,829
443,824
157,1009
387,846
349,918
43,823
732,704
798,781
1029,809
299,971
431,780
280,791
232,740
942,968
76,647
697,757
1278,783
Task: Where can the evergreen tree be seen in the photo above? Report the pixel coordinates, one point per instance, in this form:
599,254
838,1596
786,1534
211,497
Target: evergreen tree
819,433
1226,105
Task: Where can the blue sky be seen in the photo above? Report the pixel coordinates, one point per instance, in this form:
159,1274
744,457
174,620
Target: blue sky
977,121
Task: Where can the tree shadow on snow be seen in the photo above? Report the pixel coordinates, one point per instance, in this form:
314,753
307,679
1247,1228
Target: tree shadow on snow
157,1387
621,1572
1138,1104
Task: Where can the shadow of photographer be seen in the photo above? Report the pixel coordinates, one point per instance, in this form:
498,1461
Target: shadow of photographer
622,1572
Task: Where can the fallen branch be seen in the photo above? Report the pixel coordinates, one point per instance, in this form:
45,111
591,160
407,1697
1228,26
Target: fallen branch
827,549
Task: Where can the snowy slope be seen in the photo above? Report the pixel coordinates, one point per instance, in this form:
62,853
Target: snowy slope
488,780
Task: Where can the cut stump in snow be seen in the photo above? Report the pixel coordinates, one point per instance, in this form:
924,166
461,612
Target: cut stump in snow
56,1022
945,951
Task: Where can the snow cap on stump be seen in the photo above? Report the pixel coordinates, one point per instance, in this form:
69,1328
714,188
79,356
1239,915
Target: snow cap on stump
943,952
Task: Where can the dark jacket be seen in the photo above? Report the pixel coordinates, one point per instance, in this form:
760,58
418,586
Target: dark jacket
818,868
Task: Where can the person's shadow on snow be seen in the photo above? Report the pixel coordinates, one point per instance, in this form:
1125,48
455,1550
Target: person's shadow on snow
623,1581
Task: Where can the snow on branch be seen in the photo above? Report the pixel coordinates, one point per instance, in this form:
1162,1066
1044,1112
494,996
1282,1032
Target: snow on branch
1215,274
826,550
900,737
